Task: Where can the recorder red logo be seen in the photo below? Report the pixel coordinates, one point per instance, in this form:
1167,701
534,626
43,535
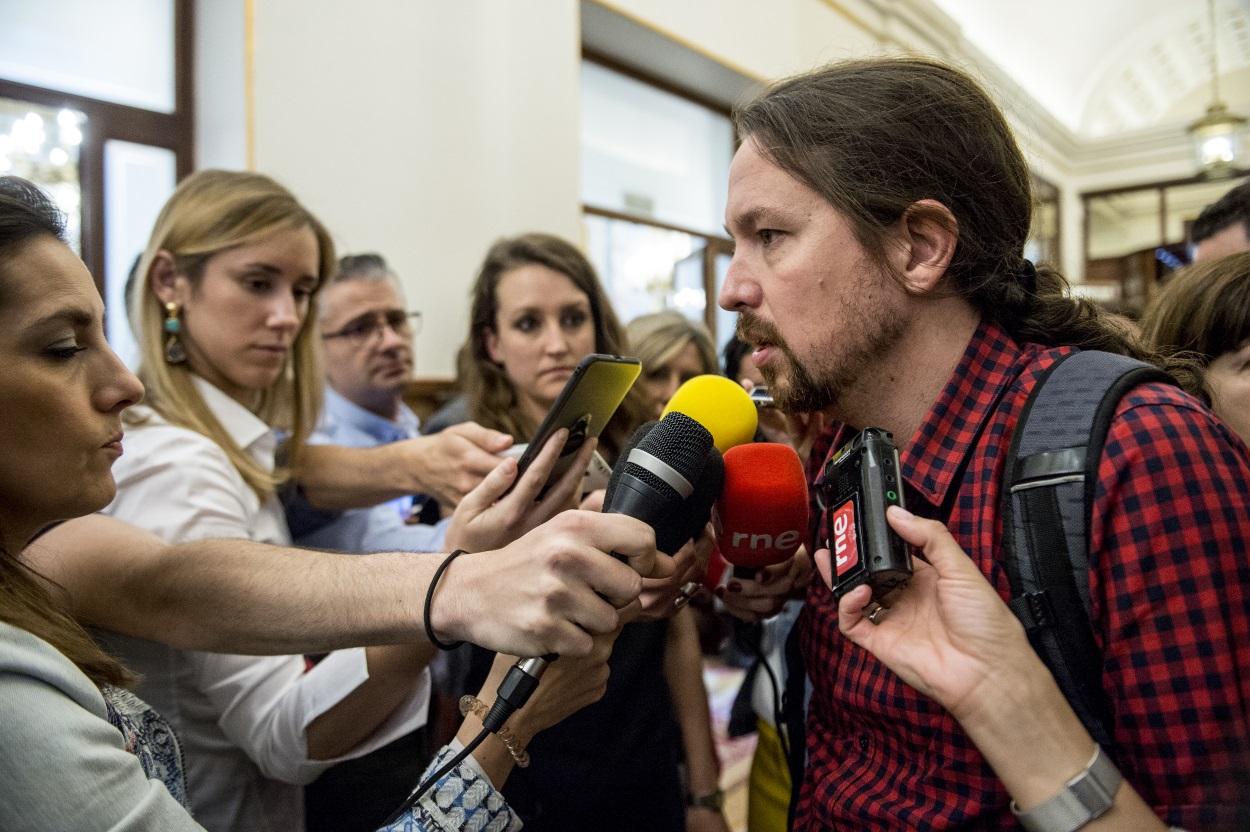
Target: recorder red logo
843,538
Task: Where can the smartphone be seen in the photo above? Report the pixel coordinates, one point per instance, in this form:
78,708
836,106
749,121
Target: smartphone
856,487
598,472
589,398
761,397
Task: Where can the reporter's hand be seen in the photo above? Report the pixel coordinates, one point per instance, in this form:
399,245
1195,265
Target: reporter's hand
755,600
486,519
569,684
948,632
705,820
452,463
550,590
660,592
594,500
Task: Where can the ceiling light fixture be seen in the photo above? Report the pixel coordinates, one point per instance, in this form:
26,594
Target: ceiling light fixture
1217,136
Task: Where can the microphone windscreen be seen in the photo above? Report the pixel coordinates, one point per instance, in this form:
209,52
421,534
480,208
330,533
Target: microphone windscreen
721,406
619,469
688,519
762,512
681,442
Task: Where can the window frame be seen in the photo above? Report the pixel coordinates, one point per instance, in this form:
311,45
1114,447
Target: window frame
107,121
716,244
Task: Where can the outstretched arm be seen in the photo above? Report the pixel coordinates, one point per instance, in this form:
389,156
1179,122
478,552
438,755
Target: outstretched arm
544,593
448,465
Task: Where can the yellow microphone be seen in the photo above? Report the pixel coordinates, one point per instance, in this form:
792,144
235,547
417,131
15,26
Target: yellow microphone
721,406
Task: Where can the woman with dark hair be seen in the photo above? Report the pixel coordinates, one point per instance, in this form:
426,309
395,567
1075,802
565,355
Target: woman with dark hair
1204,312
538,308
82,752
514,367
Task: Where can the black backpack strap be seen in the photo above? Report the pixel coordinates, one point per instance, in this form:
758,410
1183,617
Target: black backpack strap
1048,489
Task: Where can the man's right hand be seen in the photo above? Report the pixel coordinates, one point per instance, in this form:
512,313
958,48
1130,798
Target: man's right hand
549,591
450,464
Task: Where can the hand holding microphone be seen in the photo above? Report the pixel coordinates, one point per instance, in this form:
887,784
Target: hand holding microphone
669,475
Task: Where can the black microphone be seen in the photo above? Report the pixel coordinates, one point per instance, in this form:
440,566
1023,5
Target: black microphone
689,518
660,470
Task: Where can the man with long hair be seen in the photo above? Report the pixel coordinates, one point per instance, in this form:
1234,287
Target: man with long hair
879,210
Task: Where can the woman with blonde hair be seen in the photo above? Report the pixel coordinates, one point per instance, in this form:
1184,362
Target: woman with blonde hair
673,349
1204,311
226,285
537,309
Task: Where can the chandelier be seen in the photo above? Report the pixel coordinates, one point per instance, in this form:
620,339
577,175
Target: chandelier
1217,136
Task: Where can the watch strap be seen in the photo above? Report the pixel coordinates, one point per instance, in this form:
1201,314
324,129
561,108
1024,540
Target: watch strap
1086,796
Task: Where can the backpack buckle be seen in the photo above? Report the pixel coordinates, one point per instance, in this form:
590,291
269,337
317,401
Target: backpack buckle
1034,609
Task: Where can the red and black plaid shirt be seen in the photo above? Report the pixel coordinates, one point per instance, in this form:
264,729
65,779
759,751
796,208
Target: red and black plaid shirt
1170,589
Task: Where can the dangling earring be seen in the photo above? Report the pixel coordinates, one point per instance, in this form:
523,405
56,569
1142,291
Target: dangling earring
175,352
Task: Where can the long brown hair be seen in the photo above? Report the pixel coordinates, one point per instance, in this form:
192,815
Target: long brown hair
26,214
1203,311
490,396
211,211
876,136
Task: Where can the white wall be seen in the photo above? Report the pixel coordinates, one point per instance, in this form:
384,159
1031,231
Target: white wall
423,131
761,40
59,46
220,85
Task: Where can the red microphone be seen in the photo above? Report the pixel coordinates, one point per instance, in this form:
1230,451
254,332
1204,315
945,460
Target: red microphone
761,516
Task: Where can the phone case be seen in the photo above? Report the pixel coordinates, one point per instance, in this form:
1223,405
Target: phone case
589,399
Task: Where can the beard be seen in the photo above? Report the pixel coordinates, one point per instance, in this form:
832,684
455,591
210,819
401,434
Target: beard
866,327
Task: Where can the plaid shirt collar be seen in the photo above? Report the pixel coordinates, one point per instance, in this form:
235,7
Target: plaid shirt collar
931,462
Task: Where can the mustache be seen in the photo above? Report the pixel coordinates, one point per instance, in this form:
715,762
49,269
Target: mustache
754,330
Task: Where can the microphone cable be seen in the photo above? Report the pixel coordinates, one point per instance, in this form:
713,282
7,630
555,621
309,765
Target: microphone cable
411,800
753,647
513,692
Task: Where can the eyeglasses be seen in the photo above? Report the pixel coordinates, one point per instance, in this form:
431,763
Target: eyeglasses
368,329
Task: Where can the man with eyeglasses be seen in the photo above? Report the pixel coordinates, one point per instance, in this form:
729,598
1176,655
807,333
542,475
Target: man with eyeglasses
367,333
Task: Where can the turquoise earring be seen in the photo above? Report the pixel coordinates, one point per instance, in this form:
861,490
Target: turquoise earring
175,352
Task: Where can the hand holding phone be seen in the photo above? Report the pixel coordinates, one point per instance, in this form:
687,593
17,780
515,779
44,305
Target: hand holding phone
507,504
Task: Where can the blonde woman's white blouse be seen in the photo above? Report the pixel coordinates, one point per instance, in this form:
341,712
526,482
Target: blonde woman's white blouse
241,719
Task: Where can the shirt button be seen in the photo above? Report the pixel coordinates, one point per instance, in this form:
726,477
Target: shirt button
863,742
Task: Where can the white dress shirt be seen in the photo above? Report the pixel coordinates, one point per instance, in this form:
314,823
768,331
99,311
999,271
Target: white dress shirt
241,719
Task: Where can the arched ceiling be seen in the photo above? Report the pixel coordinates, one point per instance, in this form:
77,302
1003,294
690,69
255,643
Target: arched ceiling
1110,67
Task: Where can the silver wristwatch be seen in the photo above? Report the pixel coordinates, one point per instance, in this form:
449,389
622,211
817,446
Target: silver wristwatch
1085,797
